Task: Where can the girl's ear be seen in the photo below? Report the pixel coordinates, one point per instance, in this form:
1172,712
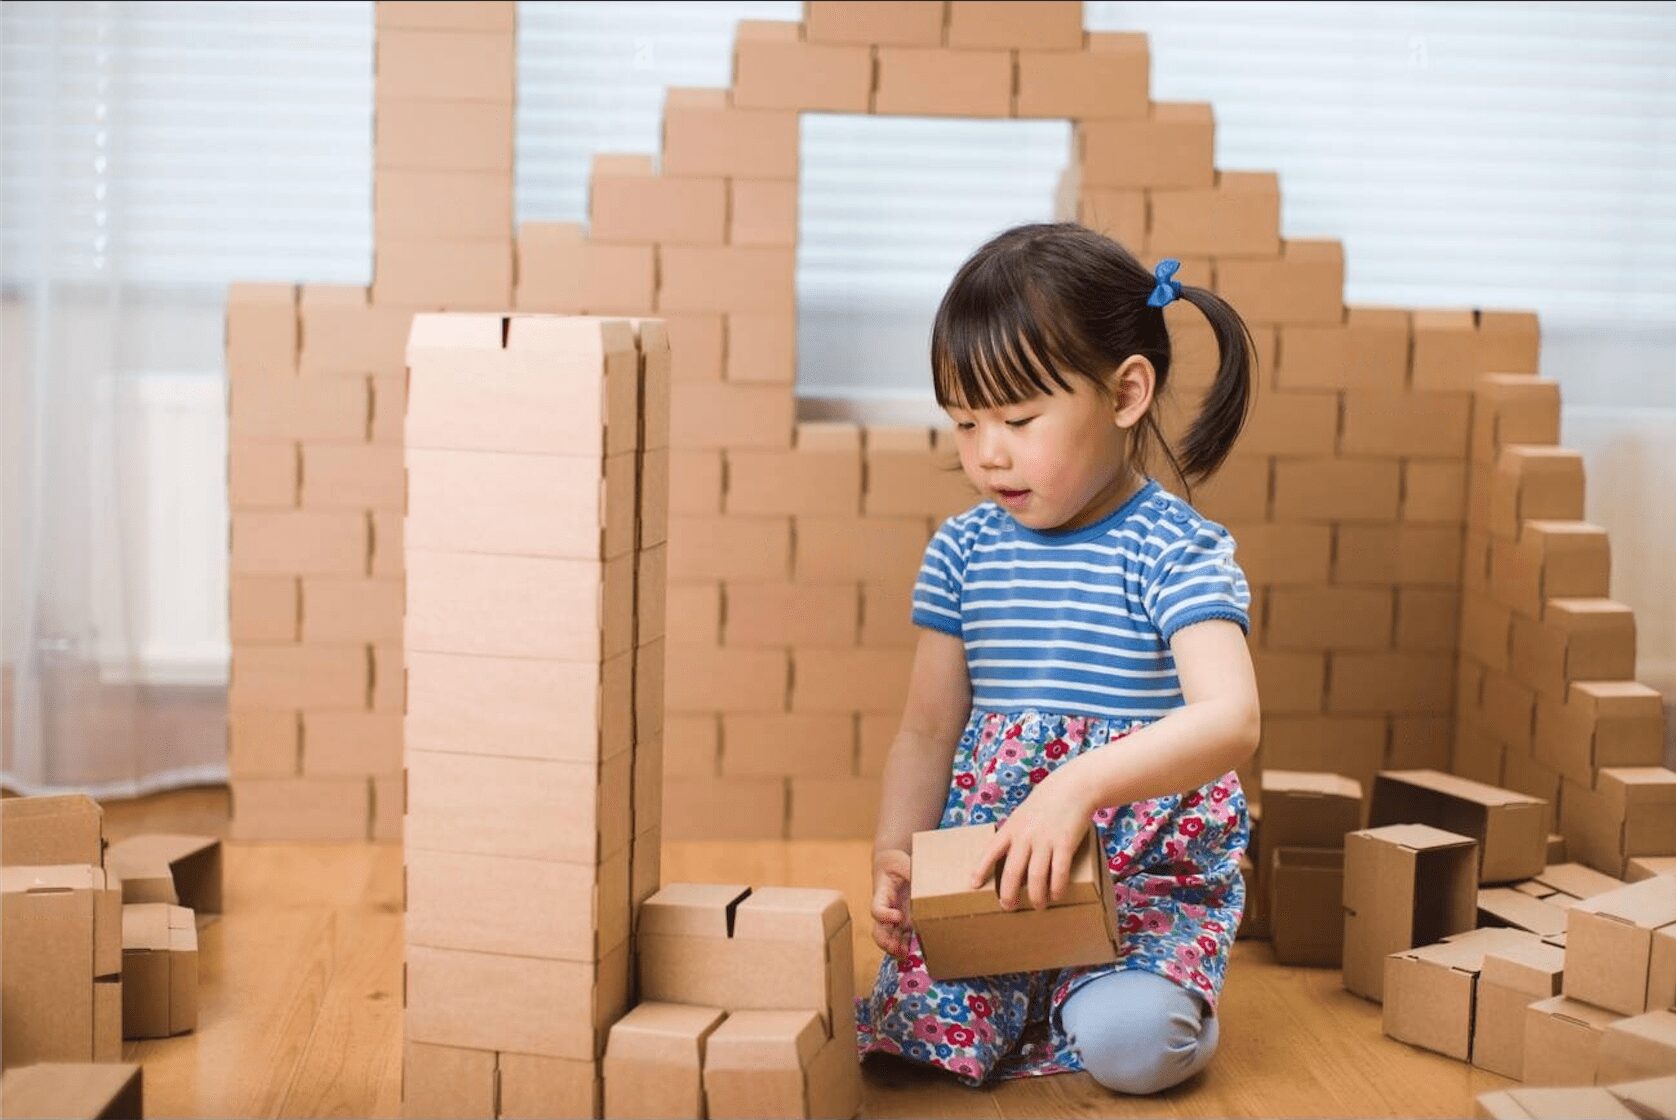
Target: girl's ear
1132,385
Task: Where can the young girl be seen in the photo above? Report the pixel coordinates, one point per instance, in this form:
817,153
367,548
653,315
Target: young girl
1079,604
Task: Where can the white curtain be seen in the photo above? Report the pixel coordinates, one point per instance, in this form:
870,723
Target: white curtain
151,153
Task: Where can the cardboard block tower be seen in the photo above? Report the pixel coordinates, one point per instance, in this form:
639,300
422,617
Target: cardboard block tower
1381,493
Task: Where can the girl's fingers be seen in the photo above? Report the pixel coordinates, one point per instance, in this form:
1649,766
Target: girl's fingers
1041,864
1061,874
997,848
1012,873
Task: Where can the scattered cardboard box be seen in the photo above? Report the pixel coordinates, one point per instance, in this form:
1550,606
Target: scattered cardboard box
964,931
57,829
1638,1047
1611,946
1305,889
654,1061
1562,1040
1404,885
779,1063
1652,1099
1513,976
168,867
159,970
61,974
1551,1104
1508,826
1430,991
75,1090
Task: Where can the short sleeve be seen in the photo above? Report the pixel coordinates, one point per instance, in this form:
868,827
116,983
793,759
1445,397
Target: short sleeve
1196,579
937,587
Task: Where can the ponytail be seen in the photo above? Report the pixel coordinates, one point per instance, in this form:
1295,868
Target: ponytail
1227,403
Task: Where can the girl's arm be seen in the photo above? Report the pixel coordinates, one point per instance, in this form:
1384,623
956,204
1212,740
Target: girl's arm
916,776
1215,731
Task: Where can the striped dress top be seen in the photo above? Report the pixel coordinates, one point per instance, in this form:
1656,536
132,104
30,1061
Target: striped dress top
1079,622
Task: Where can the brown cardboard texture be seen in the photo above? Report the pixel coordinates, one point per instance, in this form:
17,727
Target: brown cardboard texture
779,1064
1302,809
1304,888
57,829
1504,906
741,949
1513,976
1551,1104
1429,991
62,930
1404,885
168,867
1562,1041
1631,811
654,1061
965,932
1609,942
1638,1047
159,970
1509,827
74,1090
1652,1099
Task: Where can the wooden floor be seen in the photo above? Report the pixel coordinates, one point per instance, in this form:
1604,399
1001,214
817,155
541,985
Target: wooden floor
300,1001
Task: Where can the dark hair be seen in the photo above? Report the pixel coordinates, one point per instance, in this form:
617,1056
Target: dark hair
1042,301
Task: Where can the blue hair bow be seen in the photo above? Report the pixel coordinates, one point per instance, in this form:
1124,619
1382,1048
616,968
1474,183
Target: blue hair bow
1167,288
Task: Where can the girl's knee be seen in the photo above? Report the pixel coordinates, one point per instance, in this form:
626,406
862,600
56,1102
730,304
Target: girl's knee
1139,1034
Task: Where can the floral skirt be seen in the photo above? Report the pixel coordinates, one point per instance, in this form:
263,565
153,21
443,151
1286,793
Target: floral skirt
1175,865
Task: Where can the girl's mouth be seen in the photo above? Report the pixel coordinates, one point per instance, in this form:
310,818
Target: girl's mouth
1012,497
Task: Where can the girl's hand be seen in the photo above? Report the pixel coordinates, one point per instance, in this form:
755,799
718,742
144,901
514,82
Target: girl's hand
1039,840
891,870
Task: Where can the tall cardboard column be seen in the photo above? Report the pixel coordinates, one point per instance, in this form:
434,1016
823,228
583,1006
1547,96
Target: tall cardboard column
523,538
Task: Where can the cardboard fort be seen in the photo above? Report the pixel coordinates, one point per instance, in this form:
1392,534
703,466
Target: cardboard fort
964,931
1404,885
1513,976
1509,827
75,1090
171,868
159,970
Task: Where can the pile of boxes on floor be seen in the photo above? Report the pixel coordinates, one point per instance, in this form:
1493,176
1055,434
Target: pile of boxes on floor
1461,916
99,944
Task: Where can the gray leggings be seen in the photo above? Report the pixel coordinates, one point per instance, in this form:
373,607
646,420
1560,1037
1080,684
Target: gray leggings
1139,1033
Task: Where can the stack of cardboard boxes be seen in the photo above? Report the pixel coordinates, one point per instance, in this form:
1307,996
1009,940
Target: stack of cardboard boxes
748,1007
1295,887
315,472
534,548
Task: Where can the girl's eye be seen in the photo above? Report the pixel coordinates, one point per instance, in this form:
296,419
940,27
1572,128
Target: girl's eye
966,425
1019,423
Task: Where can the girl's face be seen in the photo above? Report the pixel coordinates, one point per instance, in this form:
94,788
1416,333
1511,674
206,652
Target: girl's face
1055,461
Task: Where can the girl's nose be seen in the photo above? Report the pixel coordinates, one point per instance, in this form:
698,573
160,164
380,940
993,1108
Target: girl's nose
991,452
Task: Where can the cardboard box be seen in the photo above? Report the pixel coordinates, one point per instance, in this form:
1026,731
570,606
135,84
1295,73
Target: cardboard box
1645,867
1368,351
1304,896
729,548
1576,639
534,1085
887,616
344,335
934,82
1534,483
1599,724
704,136
342,743
1353,746
53,829
1237,215
487,1001
466,275
875,22
445,1082
726,278
1401,683
1562,1040
310,542
1611,946
1504,906
261,331
351,609
442,205
964,931
1309,810
1550,1104
1404,885
773,68
1109,78
1434,492
1056,25
352,476
388,805
264,744
1323,618
1355,490
446,65
298,408
1509,827
442,135
779,1063
300,808
1170,147
1430,991
516,905
458,15
1639,1047
1631,811
837,808
794,482
740,949
792,614
169,867
61,973
1576,880
94,1091
1549,560
575,812
1445,351
654,1061
1408,424
300,676
731,415
701,679
850,680
263,609
643,208
262,474
1513,408
1513,976
159,970
1305,284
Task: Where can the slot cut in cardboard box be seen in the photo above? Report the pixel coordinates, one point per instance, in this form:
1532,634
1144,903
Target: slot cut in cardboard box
1562,1040
963,931
1509,827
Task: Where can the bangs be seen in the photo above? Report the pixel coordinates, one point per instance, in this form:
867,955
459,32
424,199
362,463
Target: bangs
993,348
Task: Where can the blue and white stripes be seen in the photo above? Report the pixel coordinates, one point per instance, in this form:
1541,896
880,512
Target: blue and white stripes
1079,622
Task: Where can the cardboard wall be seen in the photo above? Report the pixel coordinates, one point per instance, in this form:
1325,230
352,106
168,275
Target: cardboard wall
793,547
